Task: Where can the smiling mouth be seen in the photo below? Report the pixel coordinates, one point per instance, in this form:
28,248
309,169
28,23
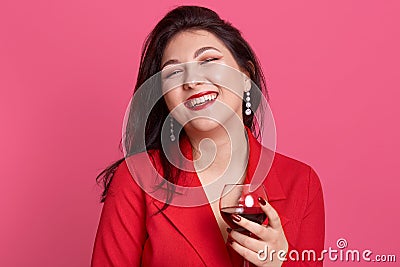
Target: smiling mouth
201,101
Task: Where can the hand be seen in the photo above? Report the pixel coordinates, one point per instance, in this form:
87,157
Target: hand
271,236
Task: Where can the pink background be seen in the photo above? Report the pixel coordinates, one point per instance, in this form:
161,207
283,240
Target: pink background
67,70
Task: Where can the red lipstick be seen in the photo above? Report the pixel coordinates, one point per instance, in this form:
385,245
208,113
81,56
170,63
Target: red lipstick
201,100
201,94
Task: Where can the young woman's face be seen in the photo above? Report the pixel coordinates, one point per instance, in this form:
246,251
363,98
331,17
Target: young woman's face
210,86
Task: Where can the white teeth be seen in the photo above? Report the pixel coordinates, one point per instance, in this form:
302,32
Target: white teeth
201,100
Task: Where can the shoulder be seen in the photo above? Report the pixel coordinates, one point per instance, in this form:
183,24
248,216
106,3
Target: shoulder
130,170
134,172
295,176
122,179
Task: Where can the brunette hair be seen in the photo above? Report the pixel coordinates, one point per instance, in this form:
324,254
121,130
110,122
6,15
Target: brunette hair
177,20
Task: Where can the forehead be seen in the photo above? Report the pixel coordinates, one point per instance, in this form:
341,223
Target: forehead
185,43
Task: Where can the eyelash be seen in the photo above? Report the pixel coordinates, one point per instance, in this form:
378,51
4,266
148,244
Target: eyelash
209,60
172,73
204,61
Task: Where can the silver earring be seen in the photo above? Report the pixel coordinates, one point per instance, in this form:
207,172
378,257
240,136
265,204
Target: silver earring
172,136
248,104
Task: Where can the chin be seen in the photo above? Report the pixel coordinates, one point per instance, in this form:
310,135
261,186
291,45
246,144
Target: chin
203,125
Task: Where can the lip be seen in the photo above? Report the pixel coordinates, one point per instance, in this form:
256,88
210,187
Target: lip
188,102
201,94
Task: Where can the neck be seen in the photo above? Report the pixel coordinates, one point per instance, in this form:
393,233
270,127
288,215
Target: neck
219,140
222,151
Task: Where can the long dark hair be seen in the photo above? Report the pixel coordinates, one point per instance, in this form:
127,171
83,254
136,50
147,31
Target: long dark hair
177,20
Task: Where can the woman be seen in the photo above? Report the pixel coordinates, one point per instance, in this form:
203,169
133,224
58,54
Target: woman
197,72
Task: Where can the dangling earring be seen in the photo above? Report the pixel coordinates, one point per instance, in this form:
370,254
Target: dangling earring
172,136
248,104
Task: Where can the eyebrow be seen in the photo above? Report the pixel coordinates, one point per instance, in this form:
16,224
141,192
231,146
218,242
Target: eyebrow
196,54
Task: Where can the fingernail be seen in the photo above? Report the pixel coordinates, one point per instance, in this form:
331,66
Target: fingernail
261,201
229,230
230,240
236,217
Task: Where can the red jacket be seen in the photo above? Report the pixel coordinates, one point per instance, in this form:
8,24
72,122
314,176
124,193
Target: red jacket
129,234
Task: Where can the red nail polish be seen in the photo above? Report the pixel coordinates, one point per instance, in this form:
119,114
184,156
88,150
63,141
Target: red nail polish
230,240
236,217
229,230
261,201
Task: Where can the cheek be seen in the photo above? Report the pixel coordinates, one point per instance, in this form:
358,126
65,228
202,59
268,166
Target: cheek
227,77
231,99
172,99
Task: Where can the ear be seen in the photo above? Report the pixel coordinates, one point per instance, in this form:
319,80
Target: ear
251,66
247,82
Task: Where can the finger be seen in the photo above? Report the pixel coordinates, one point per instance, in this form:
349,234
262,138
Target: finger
255,228
273,218
246,253
246,241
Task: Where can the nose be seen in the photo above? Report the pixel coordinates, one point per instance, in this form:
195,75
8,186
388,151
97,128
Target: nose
193,76
191,84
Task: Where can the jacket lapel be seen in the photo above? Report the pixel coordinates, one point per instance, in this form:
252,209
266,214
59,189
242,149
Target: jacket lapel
275,193
260,171
198,226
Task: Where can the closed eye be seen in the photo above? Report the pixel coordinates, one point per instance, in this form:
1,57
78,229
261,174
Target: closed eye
209,60
172,73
